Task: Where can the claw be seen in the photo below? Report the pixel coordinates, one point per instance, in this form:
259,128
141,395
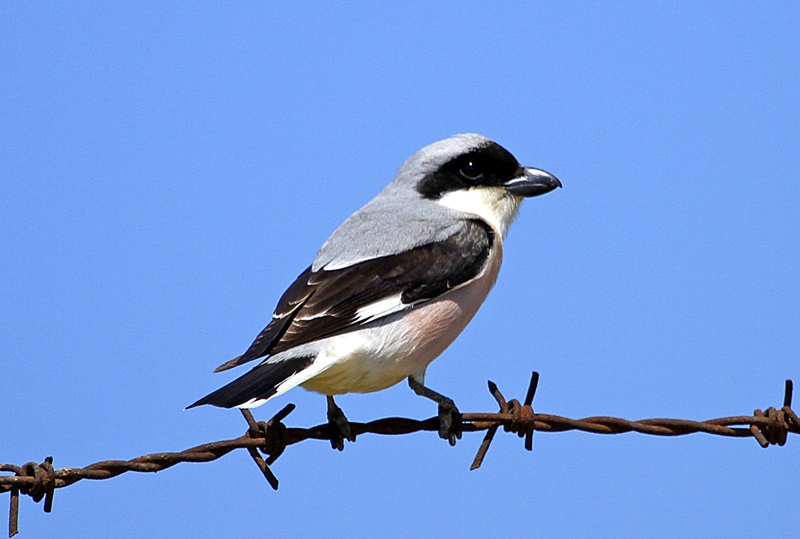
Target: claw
340,427
449,422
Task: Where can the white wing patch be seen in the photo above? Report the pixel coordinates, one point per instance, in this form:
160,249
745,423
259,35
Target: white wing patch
380,308
344,263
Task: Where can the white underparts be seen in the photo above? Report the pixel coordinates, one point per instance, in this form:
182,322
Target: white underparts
492,204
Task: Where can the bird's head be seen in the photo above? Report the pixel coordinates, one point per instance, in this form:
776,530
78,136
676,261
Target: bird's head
472,174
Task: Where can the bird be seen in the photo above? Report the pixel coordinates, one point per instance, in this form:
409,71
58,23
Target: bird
394,285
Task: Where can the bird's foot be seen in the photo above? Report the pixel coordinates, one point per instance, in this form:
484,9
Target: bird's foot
449,421
449,416
340,427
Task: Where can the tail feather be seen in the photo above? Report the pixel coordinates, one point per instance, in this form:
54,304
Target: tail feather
260,384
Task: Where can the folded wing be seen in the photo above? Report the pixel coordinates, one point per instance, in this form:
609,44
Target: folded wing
324,303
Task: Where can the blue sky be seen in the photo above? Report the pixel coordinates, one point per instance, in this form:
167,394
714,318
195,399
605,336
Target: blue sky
168,170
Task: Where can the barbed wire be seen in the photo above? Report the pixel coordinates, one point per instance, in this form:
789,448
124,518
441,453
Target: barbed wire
271,438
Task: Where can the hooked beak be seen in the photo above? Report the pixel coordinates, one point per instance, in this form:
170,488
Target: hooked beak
535,182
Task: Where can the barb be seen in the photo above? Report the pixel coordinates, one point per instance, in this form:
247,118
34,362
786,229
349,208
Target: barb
271,438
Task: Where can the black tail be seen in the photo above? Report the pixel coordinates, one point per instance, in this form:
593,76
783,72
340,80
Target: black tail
260,383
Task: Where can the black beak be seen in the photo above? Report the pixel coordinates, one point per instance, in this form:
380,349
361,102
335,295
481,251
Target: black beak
535,182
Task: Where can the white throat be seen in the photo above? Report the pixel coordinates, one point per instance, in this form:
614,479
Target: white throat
492,204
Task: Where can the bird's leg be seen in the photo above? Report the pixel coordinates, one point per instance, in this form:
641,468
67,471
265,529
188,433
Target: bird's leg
449,416
340,425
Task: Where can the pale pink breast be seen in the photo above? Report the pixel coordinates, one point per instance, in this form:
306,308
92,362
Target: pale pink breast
433,327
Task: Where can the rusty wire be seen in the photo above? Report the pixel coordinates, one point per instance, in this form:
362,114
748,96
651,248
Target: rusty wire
39,481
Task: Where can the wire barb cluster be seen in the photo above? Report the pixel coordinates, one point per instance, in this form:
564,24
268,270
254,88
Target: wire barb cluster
271,438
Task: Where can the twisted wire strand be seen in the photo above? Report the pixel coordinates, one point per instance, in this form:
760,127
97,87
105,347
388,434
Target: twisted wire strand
39,481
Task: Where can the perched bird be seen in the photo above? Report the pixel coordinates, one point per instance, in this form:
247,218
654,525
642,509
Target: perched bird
394,285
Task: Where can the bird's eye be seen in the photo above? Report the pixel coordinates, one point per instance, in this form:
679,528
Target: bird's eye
470,170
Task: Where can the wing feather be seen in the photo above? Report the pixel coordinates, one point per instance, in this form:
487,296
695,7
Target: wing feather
321,304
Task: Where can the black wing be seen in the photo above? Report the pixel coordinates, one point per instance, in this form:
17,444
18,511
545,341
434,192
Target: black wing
325,303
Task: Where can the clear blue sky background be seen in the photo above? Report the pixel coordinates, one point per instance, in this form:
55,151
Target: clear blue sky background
166,171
